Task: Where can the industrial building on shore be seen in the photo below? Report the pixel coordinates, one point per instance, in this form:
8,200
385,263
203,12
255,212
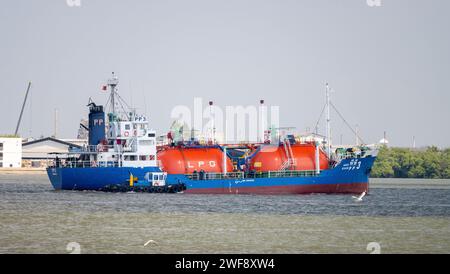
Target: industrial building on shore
16,152
10,152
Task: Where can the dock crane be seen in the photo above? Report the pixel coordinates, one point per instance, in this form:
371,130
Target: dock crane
23,107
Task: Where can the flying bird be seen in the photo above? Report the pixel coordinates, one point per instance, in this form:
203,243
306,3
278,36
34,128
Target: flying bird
360,197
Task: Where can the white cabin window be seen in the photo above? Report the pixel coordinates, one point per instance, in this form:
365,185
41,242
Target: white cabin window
130,158
127,127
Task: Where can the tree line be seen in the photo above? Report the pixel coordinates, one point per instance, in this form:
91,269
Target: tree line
431,163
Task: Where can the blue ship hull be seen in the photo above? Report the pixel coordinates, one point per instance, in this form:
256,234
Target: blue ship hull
350,176
93,178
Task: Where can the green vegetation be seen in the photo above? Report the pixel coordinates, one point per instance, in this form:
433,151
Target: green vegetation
430,163
9,136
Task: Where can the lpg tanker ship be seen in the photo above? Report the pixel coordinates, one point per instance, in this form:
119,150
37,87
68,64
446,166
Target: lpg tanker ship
123,155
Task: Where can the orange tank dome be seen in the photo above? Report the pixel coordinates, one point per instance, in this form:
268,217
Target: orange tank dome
187,160
272,158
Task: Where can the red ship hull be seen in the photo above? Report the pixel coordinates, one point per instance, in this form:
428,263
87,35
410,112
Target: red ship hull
350,188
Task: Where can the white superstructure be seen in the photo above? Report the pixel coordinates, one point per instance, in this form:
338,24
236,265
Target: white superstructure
129,144
128,140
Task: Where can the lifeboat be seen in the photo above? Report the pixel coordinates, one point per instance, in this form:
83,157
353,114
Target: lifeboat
274,158
185,160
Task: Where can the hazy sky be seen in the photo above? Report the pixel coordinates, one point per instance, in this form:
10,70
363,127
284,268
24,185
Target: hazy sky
389,65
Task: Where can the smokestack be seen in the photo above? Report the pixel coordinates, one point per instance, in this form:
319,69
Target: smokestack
96,124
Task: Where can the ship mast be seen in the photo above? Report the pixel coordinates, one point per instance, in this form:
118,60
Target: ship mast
328,121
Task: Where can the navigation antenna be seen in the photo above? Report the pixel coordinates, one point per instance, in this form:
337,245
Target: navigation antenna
112,83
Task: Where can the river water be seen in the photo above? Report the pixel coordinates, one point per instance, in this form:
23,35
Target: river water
398,216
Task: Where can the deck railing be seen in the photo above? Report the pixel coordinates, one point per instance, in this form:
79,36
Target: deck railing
80,164
92,149
215,176
132,147
251,175
357,154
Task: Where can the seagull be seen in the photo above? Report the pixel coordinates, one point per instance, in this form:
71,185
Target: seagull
360,197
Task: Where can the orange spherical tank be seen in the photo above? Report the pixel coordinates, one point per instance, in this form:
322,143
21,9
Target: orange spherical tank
272,158
188,160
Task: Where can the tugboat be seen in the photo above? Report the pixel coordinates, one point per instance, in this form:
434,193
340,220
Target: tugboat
122,155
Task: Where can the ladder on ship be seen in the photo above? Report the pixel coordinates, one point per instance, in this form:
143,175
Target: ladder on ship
290,162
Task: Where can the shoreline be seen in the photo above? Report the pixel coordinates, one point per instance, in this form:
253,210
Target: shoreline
410,183
22,171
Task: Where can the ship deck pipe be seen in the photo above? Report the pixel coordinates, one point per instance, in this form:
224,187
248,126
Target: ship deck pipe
317,158
224,161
